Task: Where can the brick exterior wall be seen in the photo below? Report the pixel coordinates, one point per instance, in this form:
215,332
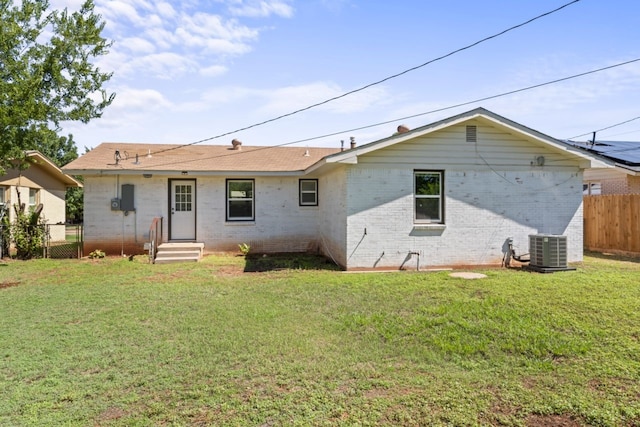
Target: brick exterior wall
625,185
482,210
280,225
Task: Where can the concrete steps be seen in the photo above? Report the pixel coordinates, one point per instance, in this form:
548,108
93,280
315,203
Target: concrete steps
179,252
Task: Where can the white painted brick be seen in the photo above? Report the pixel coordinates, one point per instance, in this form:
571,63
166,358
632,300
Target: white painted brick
482,210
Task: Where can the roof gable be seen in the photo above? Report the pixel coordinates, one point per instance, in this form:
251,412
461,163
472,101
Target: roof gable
478,114
45,168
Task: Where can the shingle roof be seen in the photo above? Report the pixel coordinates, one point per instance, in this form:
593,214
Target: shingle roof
195,158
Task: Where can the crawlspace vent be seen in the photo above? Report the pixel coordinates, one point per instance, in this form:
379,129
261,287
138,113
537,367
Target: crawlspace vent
472,134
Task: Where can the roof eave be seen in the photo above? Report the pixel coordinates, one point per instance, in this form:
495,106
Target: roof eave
130,172
46,163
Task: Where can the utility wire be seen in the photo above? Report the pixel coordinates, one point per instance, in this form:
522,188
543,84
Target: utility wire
608,127
462,104
360,89
424,113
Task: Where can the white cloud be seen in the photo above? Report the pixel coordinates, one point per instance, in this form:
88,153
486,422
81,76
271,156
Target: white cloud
138,100
166,10
165,65
262,8
70,4
179,35
213,71
138,45
115,10
295,97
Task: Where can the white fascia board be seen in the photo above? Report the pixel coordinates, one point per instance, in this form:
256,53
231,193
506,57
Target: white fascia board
112,172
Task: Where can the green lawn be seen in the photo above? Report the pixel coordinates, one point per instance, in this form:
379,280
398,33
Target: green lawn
117,342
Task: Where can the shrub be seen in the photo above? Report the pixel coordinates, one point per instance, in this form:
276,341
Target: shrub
27,232
244,248
98,253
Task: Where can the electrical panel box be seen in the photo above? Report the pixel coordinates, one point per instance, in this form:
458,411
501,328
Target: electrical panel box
126,199
115,204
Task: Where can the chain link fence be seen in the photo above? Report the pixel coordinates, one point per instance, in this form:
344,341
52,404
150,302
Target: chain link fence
63,241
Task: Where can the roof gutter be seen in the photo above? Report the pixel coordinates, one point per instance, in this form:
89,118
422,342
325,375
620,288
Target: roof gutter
186,172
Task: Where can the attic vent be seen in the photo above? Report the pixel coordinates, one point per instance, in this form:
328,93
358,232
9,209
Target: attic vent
472,134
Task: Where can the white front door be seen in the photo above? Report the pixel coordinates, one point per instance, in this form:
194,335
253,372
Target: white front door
182,223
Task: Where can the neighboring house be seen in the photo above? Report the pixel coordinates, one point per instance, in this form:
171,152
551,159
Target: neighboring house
622,178
447,194
41,183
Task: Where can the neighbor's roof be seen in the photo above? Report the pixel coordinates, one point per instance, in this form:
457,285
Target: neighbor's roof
625,154
46,164
195,159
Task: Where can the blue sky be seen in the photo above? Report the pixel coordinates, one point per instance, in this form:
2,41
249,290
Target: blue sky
193,69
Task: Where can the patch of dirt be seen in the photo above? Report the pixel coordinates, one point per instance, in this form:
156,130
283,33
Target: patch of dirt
5,285
229,270
111,414
552,421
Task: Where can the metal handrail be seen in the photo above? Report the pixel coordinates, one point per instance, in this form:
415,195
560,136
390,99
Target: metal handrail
155,237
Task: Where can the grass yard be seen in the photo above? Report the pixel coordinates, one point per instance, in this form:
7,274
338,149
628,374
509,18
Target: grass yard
113,342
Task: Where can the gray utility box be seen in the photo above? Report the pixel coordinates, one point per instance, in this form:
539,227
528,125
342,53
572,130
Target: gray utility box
127,201
548,250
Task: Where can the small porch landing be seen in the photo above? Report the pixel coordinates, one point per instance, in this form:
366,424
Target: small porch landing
179,252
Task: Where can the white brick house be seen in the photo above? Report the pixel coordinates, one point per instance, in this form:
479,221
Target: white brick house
446,194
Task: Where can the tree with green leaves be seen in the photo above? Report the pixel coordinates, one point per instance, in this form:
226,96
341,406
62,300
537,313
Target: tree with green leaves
62,150
47,73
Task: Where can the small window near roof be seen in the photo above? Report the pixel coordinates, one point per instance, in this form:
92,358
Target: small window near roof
308,192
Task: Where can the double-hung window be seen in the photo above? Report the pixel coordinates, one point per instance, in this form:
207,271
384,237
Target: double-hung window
240,200
33,198
2,196
308,192
428,197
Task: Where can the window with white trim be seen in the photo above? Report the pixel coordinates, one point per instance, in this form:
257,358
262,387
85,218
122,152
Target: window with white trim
428,197
2,195
591,188
240,200
34,196
308,192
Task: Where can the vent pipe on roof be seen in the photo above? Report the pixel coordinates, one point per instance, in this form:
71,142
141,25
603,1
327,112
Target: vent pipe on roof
403,129
342,145
353,142
237,144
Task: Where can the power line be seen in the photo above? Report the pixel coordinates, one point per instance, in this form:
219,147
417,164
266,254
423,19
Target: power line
608,127
360,89
462,104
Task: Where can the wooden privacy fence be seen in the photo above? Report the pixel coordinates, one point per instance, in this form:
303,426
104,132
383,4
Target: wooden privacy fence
612,223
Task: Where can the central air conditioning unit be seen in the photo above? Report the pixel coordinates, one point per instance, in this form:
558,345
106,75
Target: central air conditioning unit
548,251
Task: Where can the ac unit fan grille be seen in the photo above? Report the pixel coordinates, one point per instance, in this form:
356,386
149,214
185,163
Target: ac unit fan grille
548,251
